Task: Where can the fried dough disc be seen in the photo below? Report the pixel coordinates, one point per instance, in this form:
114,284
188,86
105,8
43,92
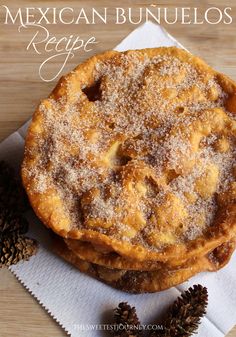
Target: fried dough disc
136,151
110,259
148,281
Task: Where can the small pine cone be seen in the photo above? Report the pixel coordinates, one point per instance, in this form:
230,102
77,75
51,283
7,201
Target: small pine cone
12,194
185,314
13,246
126,321
11,222
16,248
12,203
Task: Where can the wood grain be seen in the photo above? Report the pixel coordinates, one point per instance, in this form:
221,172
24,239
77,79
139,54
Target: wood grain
21,90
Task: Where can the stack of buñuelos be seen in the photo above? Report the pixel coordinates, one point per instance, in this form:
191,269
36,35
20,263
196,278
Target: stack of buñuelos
131,162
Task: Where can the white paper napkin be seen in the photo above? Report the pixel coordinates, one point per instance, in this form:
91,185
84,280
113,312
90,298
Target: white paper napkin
75,300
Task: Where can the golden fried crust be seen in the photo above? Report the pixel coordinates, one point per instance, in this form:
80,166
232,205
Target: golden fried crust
86,251
101,256
94,167
147,281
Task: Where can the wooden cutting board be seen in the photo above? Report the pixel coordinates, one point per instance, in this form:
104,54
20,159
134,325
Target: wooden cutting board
22,88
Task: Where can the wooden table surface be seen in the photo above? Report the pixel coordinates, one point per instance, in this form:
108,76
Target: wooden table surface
22,88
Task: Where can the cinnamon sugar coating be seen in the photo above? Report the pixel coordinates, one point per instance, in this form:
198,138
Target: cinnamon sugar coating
135,151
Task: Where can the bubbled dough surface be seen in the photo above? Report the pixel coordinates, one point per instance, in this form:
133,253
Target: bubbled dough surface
144,169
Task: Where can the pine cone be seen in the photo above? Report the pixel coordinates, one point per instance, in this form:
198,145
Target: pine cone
13,246
16,248
184,316
126,321
12,203
12,194
11,222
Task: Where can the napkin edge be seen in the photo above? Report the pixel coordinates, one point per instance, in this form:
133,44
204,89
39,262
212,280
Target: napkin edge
31,292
